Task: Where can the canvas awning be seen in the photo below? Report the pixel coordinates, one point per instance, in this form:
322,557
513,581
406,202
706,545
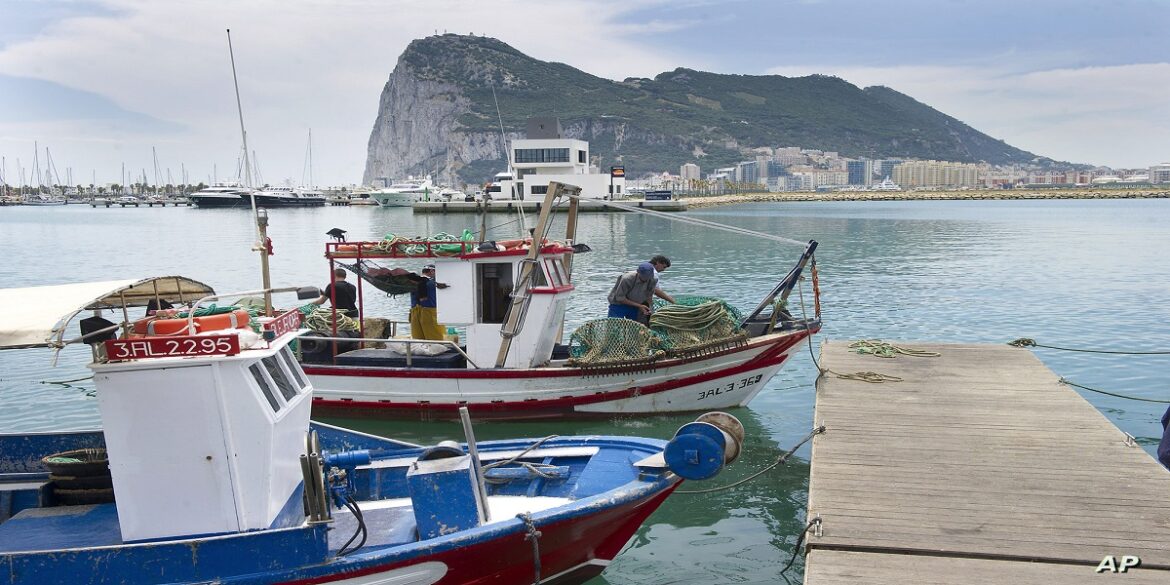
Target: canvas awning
38,316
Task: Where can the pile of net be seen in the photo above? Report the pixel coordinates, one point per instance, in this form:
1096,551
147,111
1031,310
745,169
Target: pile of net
440,244
691,323
694,322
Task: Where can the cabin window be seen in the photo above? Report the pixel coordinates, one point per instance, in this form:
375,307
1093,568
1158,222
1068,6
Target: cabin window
539,189
581,156
538,276
282,382
494,284
555,269
262,382
290,363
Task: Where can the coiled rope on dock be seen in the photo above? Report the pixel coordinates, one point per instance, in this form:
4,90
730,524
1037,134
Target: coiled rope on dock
1028,342
879,348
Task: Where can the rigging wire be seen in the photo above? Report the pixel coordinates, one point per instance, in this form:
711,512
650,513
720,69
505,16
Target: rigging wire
702,222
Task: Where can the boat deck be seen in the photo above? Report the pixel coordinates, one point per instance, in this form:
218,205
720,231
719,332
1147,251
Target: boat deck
978,467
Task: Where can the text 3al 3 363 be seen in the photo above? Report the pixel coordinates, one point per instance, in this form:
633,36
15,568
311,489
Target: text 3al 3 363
731,386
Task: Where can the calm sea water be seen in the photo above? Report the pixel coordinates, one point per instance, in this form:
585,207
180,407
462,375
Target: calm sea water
1082,274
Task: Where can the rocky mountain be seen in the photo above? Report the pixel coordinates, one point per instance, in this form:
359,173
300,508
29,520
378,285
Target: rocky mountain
437,115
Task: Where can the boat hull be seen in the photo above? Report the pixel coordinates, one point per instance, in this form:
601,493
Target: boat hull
218,202
575,541
723,378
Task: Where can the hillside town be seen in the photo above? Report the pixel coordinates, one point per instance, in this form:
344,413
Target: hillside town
792,168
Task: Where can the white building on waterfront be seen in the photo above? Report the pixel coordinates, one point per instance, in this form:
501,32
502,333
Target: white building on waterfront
1160,173
545,155
689,171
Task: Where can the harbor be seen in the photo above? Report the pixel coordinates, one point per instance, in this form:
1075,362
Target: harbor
533,206
976,463
949,286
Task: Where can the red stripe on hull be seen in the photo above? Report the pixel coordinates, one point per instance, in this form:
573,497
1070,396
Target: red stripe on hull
536,408
507,559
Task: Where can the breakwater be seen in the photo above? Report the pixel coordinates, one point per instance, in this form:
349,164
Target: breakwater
974,194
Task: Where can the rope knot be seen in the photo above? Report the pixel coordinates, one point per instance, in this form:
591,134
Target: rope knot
1023,342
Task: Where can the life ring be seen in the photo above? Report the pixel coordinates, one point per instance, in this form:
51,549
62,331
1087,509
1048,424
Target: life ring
237,319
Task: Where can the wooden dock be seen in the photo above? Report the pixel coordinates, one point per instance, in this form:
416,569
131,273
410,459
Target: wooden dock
978,467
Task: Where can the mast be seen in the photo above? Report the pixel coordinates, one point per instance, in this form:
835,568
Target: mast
261,221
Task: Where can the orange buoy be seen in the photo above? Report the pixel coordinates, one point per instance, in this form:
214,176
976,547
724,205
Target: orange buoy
237,319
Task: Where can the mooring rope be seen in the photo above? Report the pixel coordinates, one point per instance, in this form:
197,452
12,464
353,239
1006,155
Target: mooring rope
67,382
779,461
533,535
871,377
1065,381
800,539
1028,342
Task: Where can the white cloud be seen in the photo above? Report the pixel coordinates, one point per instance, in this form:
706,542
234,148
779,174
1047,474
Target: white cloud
300,65
1117,116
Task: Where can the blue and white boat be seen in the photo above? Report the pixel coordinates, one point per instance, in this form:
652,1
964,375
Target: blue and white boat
208,469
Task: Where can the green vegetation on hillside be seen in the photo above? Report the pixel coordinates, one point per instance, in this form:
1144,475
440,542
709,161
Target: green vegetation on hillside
666,118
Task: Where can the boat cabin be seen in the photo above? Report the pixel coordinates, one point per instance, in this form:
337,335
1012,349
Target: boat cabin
203,430
511,295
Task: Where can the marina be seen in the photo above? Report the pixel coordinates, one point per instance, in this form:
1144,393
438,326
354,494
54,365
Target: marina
976,462
950,289
533,206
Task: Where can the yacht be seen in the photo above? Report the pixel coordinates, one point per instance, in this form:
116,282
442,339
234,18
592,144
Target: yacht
45,200
886,185
286,197
405,193
229,194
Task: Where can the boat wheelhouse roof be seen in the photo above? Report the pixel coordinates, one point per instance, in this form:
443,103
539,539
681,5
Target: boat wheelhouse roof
32,317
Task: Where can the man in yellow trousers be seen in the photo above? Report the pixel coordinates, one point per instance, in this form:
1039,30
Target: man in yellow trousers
424,319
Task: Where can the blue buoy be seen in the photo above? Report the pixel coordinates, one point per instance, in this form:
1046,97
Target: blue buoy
700,449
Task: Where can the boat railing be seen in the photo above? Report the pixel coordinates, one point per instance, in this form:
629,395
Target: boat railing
399,248
407,342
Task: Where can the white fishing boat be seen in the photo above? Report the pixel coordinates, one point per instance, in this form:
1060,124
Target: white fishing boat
510,298
207,468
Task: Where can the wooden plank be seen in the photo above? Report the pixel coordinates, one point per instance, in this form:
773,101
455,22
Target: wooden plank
830,567
979,462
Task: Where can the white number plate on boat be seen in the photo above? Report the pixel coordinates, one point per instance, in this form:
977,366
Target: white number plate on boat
159,347
286,323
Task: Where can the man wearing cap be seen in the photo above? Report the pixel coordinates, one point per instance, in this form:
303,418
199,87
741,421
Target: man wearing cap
631,294
424,317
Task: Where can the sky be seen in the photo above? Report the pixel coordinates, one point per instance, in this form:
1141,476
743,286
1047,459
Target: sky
104,84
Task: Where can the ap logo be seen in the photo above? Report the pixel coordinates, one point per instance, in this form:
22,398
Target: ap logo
1111,564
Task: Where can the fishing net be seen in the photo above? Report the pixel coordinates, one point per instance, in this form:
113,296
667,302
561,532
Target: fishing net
384,279
690,324
694,321
612,341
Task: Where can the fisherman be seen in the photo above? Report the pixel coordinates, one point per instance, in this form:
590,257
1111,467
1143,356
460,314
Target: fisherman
341,294
661,263
424,317
632,293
